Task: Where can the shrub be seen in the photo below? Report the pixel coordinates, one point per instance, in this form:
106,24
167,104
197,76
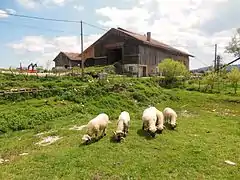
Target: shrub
234,78
171,69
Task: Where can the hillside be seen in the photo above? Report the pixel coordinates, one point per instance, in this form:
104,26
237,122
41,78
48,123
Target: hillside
204,69
208,132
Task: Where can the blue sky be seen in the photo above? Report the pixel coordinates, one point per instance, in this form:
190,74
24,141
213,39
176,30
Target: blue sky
192,26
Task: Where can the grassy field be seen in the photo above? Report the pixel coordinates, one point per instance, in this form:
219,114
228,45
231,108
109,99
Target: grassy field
208,133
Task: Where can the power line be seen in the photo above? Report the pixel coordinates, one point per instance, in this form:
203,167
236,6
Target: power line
37,27
52,19
41,18
95,26
201,61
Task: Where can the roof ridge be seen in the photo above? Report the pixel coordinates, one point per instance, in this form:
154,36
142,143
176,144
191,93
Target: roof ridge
128,31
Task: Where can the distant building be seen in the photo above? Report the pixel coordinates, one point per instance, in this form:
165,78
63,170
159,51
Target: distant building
67,60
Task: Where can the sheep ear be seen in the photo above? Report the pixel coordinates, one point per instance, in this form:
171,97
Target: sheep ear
114,132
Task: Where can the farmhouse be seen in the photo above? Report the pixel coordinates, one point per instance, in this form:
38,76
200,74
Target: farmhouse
130,52
67,60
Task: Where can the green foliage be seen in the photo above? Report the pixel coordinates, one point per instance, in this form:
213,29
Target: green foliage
210,79
30,117
172,69
234,78
234,45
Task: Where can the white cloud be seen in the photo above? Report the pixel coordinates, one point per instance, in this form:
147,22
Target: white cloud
11,11
28,3
78,7
174,22
125,17
3,14
36,3
42,49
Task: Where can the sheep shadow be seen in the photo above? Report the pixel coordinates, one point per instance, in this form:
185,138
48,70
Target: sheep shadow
113,140
169,127
94,140
145,134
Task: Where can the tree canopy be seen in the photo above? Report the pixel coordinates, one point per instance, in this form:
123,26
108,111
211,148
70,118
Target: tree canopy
234,78
234,45
171,68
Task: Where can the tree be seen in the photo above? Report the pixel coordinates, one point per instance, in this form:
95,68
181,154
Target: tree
234,77
48,64
234,45
171,69
210,78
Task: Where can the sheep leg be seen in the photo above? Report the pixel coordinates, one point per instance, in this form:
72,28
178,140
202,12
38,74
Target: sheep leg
96,135
104,132
143,126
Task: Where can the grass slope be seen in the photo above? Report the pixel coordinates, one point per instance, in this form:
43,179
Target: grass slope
208,133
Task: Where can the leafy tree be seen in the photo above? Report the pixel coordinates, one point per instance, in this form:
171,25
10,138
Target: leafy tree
171,69
210,78
234,45
234,77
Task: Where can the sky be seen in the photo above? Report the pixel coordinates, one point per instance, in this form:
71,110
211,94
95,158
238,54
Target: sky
194,26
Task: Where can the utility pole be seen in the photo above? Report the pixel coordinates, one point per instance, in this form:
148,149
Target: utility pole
215,58
219,61
82,60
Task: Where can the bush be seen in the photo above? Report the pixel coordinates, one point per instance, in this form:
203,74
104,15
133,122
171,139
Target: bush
171,69
234,78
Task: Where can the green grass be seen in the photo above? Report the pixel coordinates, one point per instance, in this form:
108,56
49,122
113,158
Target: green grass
208,133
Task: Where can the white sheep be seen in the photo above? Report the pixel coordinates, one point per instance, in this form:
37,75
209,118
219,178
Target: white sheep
149,119
170,117
94,126
122,126
160,121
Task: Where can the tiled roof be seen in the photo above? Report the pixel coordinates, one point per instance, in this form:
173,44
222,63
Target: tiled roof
152,42
73,56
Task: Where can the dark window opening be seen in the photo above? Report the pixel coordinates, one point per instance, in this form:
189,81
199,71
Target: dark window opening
114,55
66,66
130,68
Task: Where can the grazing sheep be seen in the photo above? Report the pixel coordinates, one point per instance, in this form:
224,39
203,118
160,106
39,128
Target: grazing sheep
94,126
149,119
122,126
170,117
160,121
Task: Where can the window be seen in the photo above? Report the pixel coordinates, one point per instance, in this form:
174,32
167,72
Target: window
130,68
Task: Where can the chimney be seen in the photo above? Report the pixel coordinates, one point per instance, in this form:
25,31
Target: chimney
148,36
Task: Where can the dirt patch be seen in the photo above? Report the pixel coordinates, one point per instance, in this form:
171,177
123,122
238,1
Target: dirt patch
48,140
23,154
3,160
185,113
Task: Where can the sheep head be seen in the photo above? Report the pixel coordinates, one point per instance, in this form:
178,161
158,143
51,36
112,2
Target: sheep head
118,136
153,134
86,138
152,131
173,126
